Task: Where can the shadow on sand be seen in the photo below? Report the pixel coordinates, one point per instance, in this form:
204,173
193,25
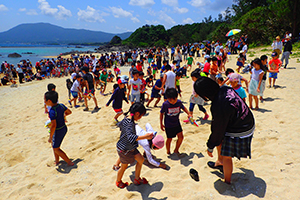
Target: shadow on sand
243,184
64,168
184,158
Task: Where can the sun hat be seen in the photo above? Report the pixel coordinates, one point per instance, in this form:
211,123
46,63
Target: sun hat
278,37
234,77
158,141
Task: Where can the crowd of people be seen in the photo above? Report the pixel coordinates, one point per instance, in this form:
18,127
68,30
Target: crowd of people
232,120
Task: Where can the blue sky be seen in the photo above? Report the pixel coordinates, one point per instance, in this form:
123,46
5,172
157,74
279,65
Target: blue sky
113,16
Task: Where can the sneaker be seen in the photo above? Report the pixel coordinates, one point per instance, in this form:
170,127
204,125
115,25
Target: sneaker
70,102
86,109
186,121
206,117
77,106
115,121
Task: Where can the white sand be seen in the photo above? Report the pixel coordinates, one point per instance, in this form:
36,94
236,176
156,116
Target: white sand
27,170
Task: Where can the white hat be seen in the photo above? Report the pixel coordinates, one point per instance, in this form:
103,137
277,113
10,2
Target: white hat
206,56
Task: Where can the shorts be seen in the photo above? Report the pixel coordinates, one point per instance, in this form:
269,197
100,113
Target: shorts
240,64
74,94
236,147
155,95
127,157
135,97
118,111
58,137
129,60
172,132
273,75
90,91
154,71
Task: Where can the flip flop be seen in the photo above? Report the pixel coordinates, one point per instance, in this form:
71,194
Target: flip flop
212,165
194,174
121,184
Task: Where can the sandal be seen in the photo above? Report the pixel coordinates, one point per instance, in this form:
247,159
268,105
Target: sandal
140,181
116,168
121,185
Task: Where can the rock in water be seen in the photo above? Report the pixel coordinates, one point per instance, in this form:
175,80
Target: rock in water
14,55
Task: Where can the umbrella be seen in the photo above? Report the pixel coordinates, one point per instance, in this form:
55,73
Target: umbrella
233,32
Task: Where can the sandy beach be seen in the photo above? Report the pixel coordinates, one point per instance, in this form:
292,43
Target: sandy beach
27,167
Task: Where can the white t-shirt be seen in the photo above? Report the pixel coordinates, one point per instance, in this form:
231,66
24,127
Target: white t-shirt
170,81
75,86
73,75
245,48
135,86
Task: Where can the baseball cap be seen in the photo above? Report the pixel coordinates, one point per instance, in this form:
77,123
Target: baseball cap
158,141
274,54
152,61
122,81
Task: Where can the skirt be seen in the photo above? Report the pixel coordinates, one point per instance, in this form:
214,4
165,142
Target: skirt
236,147
253,88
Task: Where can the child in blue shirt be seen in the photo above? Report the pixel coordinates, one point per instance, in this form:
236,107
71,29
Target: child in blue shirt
155,91
58,127
170,111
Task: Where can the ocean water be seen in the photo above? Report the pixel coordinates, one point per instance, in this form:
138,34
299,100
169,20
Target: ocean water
38,52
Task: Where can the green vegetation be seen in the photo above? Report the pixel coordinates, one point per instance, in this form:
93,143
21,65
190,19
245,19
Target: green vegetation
116,40
261,20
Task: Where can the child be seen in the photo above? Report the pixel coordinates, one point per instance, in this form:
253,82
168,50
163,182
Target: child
255,83
154,69
134,86
117,97
117,71
103,81
157,142
149,81
110,77
177,83
206,68
264,61
214,68
155,91
230,72
69,86
50,87
235,79
128,143
240,62
196,99
75,89
274,64
58,128
143,87
170,113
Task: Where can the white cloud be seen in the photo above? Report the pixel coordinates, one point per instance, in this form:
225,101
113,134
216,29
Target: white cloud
152,22
119,13
199,3
188,21
3,8
135,19
90,15
170,2
181,10
31,12
22,9
142,3
59,13
163,16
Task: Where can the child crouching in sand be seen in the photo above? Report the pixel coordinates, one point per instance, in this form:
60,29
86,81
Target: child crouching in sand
128,143
58,128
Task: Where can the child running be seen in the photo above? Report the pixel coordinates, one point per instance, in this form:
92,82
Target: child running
134,86
196,99
274,64
170,113
117,97
58,127
75,90
103,81
155,91
128,143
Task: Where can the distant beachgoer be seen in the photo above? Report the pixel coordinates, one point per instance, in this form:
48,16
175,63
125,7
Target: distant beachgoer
277,45
89,88
274,66
286,51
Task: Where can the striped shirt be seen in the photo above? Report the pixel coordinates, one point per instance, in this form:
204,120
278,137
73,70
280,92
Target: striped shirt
128,137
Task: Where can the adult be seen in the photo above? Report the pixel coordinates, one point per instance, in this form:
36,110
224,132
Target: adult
89,88
277,45
232,125
245,49
178,56
208,48
20,73
287,51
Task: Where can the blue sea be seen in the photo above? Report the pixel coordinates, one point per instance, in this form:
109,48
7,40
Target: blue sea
38,51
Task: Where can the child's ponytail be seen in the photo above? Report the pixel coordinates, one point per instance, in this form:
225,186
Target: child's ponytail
136,107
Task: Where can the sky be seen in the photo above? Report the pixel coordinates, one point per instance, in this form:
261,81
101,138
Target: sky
111,16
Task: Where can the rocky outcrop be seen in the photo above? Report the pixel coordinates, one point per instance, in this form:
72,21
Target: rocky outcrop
14,55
